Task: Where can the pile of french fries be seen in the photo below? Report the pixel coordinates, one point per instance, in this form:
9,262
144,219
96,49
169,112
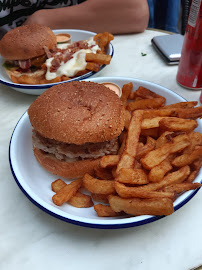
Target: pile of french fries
159,157
96,60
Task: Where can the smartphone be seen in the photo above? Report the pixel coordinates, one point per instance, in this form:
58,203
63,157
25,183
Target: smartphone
169,47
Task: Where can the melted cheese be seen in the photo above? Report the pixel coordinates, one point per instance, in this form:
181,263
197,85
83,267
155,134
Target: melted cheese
62,46
75,64
70,68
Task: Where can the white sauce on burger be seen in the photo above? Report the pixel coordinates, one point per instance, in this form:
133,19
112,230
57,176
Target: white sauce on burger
75,64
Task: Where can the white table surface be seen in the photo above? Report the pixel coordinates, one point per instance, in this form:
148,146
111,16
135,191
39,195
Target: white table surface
31,239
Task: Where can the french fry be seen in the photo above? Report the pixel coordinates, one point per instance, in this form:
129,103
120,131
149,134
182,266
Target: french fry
157,173
187,159
136,207
151,122
145,104
195,140
188,113
133,133
195,168
147,94
132,95
98,186
174,134
57,185
92,66
114,173
151,141
126,161
67,192
137,98
100,197
101,59
196,164
129,153
109,161
182,105
177,124
142,150
156,156
126,91
134,192
152,132
179,188
127,119
172,178
132,176
192,176
103,173
103,39
161,113
110,37
163,138
137,165
81,200
105,211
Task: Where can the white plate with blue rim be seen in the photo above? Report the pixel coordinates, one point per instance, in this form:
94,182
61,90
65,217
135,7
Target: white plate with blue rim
35,181
38,89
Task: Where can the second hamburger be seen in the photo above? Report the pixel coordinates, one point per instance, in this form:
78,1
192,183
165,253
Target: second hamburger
74,125
25,51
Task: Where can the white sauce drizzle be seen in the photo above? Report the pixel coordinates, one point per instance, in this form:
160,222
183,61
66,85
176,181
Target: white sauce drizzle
62,46
75,64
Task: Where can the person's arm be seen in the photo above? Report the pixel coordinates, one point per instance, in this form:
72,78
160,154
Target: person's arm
115,16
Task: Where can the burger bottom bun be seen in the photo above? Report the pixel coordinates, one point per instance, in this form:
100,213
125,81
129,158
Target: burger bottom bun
65,169
26,78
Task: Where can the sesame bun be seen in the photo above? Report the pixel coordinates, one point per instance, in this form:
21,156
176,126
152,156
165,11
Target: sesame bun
75,114
78,113
73,169
26,42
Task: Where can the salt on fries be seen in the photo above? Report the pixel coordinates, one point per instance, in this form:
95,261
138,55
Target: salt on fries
159,157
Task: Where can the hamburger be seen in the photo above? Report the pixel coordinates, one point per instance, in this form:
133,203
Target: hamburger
25,51
74,125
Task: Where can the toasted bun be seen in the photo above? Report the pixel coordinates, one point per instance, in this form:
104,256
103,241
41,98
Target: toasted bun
26,41
26,78
63,168
77,113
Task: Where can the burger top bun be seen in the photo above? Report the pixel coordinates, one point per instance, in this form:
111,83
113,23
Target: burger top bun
26,41
77,113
